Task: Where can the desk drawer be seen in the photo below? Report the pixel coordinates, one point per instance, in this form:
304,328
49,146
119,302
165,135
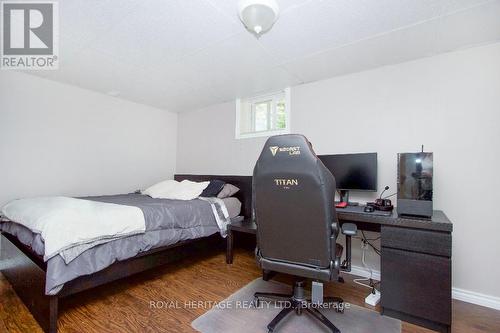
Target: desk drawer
416,284
424,241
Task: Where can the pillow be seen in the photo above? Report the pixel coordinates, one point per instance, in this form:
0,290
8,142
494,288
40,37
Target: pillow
213,188
227,191
233,206
185,190
162,187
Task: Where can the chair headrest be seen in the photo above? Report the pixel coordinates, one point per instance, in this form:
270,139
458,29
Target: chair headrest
286,153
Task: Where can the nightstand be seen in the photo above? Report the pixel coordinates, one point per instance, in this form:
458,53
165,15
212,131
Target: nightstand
245,226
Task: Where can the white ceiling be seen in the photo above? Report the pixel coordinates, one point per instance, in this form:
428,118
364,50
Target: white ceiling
184,54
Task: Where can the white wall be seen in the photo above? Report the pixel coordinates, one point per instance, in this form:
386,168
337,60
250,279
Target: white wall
450,103
57,139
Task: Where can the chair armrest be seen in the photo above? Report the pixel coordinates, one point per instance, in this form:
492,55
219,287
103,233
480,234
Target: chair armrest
335,228
349,229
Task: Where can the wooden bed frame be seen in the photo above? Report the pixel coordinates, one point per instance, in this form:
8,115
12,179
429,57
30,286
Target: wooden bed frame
26,271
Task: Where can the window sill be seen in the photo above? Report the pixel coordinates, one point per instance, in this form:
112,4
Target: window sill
261,134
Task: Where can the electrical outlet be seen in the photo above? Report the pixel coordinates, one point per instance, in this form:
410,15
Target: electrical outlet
373,299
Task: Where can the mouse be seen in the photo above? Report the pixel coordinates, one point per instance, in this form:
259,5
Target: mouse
369,209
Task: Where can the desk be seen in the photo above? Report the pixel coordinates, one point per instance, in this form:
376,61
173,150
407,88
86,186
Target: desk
415,263
370,221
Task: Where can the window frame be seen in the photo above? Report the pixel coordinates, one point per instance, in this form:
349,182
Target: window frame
271,116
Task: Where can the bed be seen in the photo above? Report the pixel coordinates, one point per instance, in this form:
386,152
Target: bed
32,277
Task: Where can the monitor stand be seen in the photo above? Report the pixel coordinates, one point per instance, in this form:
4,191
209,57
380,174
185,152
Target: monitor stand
344,197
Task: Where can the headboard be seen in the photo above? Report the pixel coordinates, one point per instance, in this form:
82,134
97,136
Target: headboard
244,183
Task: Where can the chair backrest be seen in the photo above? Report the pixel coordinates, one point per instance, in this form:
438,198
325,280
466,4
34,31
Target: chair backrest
294,203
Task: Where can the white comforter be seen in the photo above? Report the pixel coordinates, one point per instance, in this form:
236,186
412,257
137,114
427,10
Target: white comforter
67,222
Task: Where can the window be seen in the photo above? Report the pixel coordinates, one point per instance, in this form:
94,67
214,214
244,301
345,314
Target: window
263,115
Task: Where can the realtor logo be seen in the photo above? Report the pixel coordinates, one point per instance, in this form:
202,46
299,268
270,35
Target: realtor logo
29,35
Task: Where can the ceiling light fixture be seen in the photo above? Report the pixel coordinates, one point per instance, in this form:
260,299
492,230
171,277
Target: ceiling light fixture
258,16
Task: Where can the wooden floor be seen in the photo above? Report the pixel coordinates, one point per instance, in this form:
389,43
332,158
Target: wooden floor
125,306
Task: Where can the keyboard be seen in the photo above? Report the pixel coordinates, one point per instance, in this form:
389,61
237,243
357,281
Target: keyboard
360,210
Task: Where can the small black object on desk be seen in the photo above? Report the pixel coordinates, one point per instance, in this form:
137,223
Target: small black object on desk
369,209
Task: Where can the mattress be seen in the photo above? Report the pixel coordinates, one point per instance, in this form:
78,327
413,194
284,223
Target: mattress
167,222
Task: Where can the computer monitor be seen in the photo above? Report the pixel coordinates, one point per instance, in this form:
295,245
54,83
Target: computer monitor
352,172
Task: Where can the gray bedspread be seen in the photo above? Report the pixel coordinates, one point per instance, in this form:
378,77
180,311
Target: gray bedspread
167,222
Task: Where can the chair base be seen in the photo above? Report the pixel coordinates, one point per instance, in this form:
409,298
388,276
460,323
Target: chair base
298,303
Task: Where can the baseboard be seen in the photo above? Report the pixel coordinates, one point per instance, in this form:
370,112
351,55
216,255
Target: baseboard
456,293
476,298
364,272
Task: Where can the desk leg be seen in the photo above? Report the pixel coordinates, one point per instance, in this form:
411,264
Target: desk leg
229,247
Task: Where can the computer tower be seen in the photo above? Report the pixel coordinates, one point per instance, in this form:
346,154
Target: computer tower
415,172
